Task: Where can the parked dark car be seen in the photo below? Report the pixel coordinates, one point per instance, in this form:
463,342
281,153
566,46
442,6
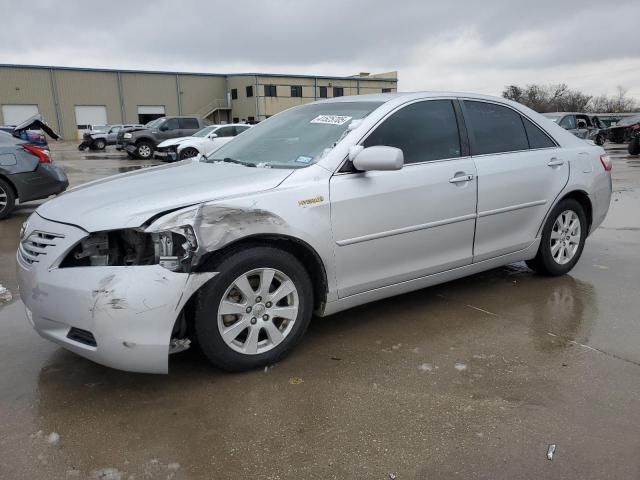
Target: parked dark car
141,142
32,131
26,173
625,129
582,125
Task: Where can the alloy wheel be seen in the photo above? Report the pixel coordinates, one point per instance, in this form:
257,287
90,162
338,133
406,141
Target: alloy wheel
144,151
3,198
565,237
258,310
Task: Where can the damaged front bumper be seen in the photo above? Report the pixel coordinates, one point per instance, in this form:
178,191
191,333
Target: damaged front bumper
118,316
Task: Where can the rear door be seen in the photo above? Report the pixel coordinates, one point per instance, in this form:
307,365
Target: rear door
521,171
395,226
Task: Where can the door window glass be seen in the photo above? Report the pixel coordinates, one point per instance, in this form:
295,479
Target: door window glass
494,128
568,122
423,131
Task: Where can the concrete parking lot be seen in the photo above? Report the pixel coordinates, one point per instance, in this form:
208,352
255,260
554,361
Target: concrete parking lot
470,379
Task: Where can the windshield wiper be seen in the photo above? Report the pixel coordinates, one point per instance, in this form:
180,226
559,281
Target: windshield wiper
233,160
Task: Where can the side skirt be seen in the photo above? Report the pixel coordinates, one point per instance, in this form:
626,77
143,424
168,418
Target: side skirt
428,281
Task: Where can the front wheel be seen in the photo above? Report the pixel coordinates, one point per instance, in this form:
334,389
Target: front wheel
600,139
144,150
99,144
563,238
255,310
188,152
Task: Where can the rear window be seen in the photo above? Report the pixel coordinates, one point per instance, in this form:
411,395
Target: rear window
190,123
494,128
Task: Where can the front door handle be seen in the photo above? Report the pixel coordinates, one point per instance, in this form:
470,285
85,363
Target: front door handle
461,178
554,162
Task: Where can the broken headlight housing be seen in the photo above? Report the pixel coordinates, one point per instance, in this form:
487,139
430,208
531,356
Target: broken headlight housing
172,249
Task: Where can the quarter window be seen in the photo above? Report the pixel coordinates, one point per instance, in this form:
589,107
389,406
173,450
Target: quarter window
537,138
494,128
423,131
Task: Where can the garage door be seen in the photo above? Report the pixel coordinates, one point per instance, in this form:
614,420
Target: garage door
89,115
146,113
14,114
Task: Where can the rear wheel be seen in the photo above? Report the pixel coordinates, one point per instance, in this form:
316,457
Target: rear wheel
255,311
144,150
634,146
563,238
600,139
188,152
7,199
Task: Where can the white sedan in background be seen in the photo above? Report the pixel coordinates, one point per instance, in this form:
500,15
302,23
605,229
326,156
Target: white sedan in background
203,142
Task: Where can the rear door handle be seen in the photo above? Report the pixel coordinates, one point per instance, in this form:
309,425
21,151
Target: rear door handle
554,162
461,178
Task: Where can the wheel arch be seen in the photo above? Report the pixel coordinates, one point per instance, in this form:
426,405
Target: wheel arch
583,199
305,253
146,139
11,185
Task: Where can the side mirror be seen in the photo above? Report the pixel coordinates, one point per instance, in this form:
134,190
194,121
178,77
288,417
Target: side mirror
164,127
376,158
213,135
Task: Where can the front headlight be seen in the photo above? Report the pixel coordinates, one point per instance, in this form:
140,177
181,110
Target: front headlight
127,135
172,249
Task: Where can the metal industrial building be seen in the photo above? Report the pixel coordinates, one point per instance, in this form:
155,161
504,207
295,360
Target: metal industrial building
69,99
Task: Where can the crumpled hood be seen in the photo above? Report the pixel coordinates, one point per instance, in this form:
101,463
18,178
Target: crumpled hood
130,199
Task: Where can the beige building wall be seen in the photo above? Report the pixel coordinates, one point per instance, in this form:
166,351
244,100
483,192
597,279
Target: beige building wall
79,87
178,93
28,86
146,89
200,94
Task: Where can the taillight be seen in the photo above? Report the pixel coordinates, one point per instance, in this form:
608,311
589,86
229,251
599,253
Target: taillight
606,162
43,156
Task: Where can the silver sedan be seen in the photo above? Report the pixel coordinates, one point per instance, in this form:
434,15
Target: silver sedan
316,210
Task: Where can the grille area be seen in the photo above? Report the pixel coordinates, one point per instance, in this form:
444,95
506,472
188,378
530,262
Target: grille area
34,247
82,336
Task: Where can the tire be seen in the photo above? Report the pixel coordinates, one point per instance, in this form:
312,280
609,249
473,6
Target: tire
559,224
188,152
7,199
600,140
634,146
81,147
99,144
239,352
144,150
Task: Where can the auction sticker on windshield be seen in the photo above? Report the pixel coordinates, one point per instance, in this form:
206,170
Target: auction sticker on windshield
331,119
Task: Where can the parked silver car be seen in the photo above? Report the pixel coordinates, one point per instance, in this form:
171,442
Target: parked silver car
320,208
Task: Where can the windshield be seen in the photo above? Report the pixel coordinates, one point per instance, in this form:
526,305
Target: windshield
154,123
204,132
296,137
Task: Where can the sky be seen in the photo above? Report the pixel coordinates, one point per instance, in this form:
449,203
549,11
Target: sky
469,45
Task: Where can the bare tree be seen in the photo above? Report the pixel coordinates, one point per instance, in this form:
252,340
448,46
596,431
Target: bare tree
561,98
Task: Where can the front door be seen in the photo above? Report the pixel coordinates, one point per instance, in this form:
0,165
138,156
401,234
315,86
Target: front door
394,226
521,171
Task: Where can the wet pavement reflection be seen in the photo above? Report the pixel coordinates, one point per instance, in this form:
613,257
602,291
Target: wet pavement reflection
470,379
